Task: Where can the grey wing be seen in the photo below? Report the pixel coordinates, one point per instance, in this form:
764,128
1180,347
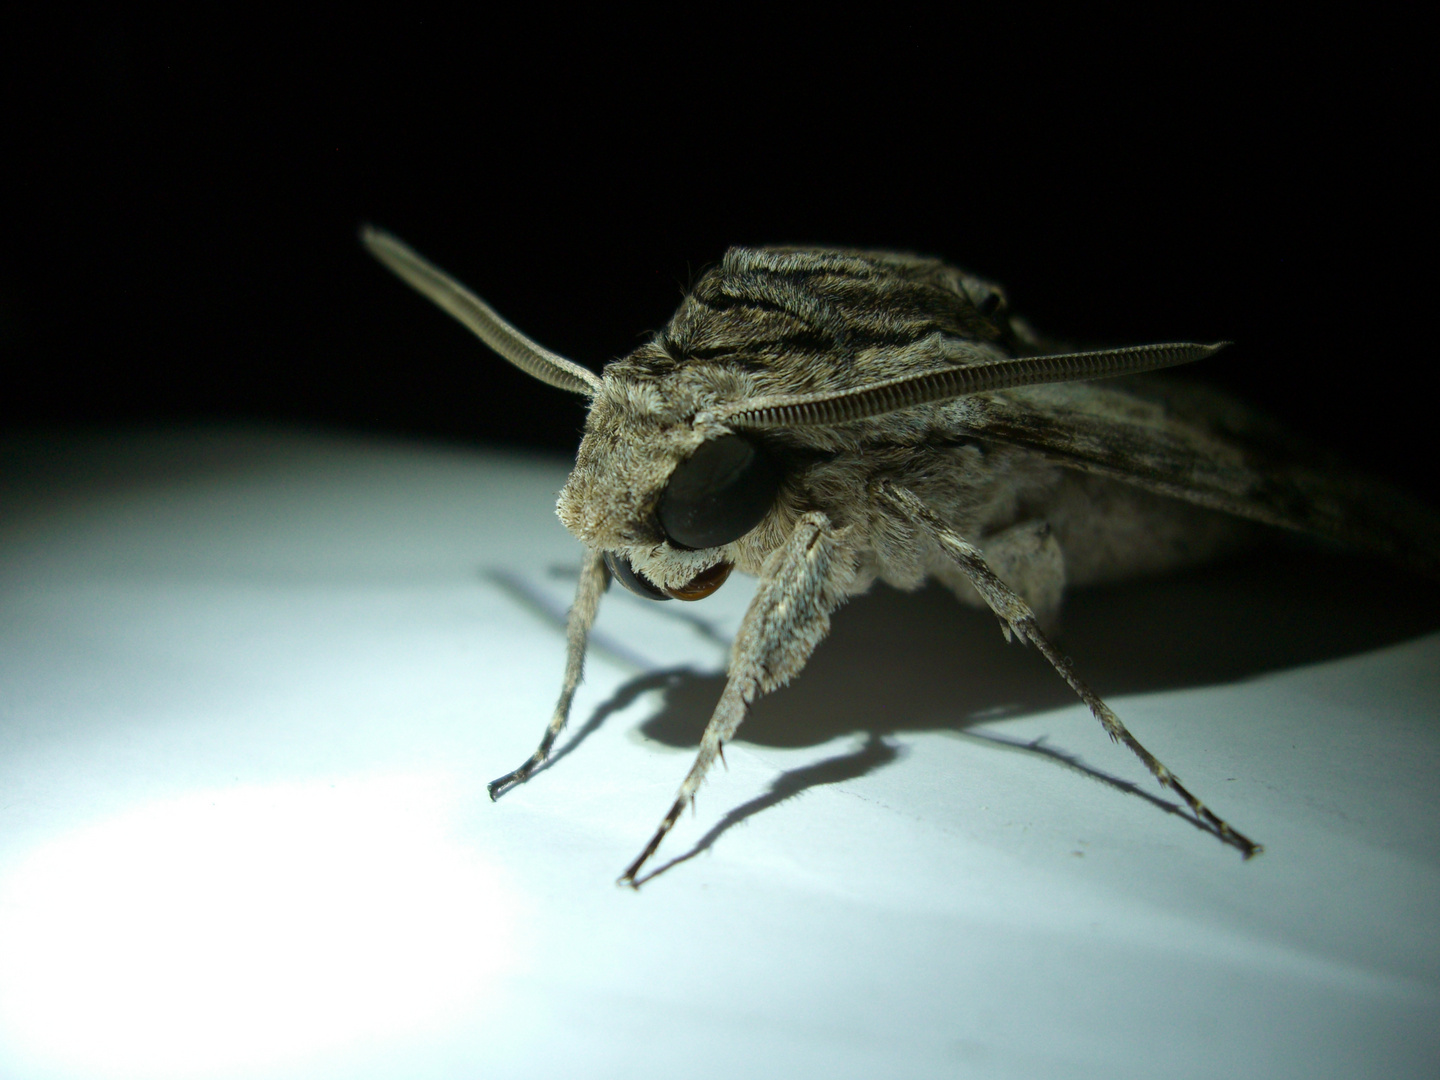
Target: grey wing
1197,445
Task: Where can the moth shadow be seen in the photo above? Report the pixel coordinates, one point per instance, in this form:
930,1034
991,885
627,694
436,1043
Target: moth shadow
923,662
897,662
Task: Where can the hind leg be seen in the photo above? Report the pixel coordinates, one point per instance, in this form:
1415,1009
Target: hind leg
1027,557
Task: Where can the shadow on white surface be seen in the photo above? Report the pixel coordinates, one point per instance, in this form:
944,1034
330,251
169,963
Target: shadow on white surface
252,684
897,663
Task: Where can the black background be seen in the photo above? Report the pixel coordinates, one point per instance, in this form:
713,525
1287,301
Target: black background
180,234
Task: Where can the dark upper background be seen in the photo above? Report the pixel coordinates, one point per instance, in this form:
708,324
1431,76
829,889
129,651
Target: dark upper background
180,229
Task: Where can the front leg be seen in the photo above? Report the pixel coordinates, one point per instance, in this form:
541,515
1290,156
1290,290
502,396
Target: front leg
801,583
1017,618
594,579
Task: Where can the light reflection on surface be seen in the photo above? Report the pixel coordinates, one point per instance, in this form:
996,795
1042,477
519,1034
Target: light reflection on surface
246,928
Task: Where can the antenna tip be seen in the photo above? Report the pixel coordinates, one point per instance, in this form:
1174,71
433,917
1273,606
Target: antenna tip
371,236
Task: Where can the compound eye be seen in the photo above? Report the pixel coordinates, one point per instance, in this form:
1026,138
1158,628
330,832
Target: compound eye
718,494
621,570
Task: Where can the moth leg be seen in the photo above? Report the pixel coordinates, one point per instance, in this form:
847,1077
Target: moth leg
593,580
1017,618
801,583
1027,557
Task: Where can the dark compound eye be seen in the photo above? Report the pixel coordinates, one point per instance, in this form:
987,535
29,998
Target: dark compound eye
718,494
621,570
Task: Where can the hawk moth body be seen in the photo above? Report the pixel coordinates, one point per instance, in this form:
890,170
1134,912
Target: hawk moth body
824,419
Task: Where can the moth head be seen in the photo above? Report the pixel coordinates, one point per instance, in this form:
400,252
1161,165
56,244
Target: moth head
661,489
659,486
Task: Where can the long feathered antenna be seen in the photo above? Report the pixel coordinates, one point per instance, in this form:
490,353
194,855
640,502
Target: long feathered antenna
809,410
447,293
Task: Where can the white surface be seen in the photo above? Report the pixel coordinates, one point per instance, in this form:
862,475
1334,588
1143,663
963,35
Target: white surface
252,685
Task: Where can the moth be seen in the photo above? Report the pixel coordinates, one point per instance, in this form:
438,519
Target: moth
825,419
